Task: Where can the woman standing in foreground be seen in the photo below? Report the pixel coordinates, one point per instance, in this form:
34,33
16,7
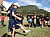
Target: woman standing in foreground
12,19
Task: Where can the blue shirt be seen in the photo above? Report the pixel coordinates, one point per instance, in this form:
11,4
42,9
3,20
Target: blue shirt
12,10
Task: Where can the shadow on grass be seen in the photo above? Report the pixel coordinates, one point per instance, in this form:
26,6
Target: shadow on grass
4,25
48,25
20,33
5,35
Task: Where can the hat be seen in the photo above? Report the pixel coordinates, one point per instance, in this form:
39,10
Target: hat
14,4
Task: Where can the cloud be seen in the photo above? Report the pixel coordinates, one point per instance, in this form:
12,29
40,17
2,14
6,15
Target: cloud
45,1
22,2
47,9
8,4
29,2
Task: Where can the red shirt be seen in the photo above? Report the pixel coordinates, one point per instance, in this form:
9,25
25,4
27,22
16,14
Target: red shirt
2,18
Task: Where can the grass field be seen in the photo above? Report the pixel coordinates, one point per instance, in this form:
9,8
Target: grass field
35,32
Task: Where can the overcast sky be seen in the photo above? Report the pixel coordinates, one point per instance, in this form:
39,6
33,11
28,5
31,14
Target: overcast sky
42,4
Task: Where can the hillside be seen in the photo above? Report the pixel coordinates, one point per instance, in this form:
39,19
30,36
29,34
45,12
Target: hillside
31,9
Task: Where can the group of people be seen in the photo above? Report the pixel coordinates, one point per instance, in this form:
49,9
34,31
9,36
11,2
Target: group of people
16,20
40,18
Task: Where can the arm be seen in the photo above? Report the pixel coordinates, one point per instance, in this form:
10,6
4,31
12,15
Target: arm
23,20
26,19
16,16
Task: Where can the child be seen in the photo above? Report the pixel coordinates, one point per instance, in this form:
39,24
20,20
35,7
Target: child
17,21
42,20
2,19
37,20
47,20
9,27
28,20
32,16
21,21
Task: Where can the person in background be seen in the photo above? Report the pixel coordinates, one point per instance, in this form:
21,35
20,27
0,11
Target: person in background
37,20
45,16
17,20
21,21
32,16
9,26
42,20
2,19
28,17
47,20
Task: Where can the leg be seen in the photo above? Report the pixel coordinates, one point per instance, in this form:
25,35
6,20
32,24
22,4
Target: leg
2,23
26,31
39,23
13,32
9,27
36,23
42,24
29,25
47,23
26,24
21,26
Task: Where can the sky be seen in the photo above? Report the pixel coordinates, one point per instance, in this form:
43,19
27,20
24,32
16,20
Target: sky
41,4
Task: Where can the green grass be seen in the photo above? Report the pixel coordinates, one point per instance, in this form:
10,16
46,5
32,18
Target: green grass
35,32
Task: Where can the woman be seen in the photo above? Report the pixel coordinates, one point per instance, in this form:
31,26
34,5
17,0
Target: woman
12,19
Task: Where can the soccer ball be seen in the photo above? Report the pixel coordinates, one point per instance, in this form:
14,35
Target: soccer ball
30,20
